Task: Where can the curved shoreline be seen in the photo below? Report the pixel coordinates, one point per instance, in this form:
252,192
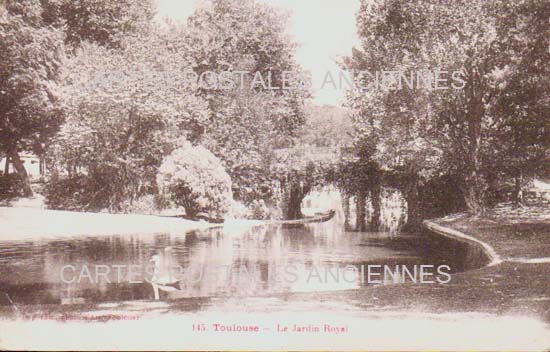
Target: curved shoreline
494,256
489,251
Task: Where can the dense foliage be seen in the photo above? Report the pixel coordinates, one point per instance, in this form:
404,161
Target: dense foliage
108,96
193,178
31,56
247,124
464,133
11,186
124,114
130,105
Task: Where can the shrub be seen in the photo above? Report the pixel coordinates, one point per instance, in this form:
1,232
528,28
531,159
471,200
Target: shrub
69,193
195,179
11,186
105,189
81,193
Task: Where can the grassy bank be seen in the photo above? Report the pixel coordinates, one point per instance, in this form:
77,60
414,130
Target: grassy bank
518,286
514,233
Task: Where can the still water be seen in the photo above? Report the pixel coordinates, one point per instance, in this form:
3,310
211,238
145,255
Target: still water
234,262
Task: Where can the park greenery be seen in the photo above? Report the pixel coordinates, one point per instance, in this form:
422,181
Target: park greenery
474,140
97,89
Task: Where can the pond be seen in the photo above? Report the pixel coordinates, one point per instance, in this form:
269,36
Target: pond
221,262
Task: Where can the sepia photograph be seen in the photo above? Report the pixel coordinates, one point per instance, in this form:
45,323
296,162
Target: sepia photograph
275,175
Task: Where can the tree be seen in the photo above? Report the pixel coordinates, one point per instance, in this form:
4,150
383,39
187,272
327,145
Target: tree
326,126
105,22
450,128
126,110
391,126
33,33
195,179
30,59
521,136
248,123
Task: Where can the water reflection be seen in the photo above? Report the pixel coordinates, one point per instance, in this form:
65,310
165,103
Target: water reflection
218,262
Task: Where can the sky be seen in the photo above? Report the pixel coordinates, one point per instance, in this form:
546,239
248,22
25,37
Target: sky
324,29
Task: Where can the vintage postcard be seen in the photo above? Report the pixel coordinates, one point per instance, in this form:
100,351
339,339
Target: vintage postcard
275,175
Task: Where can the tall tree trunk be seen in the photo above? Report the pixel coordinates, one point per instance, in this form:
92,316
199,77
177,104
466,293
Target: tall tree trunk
492,194
7,165
345,206
473,199
518,188
376,200
42,165
414,208
20,168
474,188
474,182
360,211
293,194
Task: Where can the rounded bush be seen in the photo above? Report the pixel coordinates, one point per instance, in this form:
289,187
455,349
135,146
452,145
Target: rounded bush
195,179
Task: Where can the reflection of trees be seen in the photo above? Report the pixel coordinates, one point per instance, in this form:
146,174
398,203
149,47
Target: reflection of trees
387,211
233,262
298,238
252,256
